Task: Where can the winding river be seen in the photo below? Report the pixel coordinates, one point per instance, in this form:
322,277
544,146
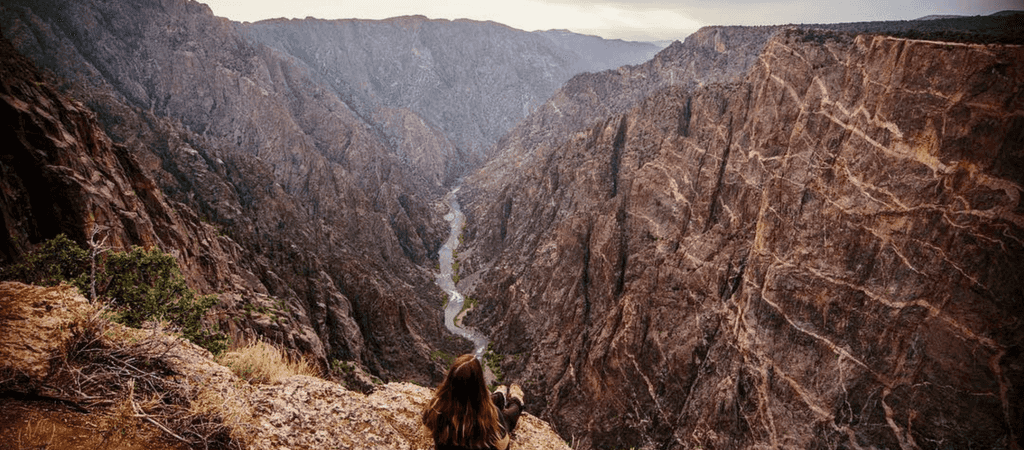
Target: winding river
456,219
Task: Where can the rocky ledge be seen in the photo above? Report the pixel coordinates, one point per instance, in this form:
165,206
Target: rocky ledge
41,331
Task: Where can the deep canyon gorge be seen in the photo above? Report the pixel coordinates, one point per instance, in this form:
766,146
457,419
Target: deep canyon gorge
759,237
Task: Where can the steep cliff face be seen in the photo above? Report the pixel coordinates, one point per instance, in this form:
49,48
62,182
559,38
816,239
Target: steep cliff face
441,91
711,55
62,174
823,255
330,240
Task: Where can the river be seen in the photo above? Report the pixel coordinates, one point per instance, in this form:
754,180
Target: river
456,219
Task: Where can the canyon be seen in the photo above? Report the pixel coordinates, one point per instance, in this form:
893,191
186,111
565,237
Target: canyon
311,205
758,237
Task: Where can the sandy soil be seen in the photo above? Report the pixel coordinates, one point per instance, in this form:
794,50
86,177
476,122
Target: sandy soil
41,424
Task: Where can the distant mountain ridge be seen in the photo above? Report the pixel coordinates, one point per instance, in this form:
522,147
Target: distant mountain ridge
459,85
940,16
1007,12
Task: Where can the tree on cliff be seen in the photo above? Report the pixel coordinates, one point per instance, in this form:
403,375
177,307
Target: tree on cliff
139,285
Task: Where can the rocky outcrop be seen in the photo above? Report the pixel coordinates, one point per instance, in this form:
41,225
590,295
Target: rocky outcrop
823,255
304,412
36,324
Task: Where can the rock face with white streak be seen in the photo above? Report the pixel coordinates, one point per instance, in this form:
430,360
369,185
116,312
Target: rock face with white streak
825,254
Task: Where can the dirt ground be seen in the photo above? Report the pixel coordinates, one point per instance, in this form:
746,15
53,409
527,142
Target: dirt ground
49,425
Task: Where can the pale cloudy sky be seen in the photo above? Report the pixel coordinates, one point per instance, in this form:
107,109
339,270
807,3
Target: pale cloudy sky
621,19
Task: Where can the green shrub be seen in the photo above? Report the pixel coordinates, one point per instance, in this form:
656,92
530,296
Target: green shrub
442,357
140,285
469,302
339,367
57,260
493,361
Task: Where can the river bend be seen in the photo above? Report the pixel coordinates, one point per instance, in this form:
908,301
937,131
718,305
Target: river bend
445,280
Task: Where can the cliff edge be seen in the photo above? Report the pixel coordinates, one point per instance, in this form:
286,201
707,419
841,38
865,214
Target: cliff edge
62,361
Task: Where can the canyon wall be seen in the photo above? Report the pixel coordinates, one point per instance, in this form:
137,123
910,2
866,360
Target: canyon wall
315,151
758,238
329,240
823,254
711,55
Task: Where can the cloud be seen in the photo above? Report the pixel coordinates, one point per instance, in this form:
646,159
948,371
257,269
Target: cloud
610,20
617,20
624,19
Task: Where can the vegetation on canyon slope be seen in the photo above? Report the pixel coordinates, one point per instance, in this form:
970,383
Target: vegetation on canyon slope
138,285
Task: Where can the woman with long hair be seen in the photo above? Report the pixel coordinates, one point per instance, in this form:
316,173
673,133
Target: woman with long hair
464,415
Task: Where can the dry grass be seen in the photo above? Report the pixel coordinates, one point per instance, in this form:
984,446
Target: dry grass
260,362
131,383
37,435
129,374
233,411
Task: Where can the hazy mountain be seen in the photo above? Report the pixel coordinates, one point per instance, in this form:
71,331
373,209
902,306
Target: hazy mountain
595,54
1008,12
939,16
441,92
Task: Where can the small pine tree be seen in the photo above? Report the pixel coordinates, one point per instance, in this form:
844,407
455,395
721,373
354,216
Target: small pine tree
55,261
147,285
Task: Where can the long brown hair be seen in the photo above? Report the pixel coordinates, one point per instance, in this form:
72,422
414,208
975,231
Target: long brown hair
461,412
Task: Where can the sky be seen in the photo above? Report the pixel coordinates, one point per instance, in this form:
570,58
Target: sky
637,20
